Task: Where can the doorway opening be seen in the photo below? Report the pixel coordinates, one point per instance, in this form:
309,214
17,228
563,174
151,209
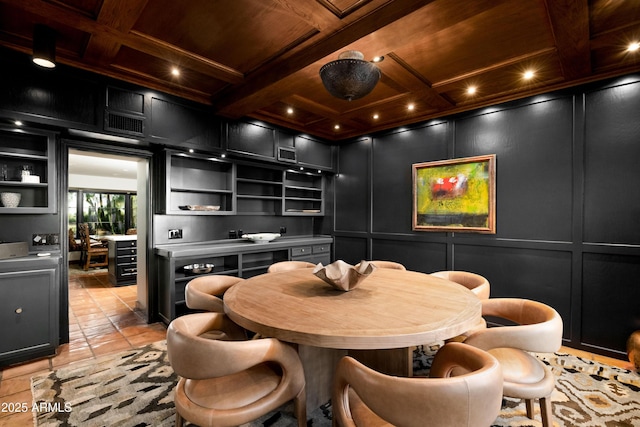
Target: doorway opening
108,191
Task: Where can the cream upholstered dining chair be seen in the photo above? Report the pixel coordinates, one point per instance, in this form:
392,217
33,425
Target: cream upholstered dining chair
385,264
228,383
464,388
538,329
204,293
289,265
472,281
476,284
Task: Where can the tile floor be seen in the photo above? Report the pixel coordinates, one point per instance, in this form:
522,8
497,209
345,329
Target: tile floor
102,320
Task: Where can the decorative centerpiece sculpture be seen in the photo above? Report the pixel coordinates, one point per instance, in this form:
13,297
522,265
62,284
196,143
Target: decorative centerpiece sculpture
343,276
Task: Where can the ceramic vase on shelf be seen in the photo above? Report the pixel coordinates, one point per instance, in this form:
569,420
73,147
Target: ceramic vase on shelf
10,200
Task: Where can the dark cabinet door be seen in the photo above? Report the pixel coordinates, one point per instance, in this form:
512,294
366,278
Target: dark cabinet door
178,125
313,153
251,139
28,314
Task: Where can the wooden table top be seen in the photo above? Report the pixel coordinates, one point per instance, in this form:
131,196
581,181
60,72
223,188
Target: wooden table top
389,309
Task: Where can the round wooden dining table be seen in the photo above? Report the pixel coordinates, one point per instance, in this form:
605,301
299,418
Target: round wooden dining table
389,309
378,322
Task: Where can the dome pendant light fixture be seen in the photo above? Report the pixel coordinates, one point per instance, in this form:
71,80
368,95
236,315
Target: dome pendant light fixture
350,77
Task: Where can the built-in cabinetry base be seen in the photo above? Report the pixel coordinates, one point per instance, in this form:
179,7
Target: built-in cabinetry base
232,257
29,308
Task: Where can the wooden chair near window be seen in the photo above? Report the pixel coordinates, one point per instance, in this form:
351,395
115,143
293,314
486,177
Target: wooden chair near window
94,253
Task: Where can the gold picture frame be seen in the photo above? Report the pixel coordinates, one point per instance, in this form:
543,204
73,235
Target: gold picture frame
456,195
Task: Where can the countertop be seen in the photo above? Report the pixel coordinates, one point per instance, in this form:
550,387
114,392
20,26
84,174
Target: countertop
31,261
118,237
213,247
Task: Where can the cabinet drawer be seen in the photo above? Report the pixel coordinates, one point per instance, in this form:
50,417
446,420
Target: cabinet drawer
127,244
127,270
321,249
127,259
127,252
302,251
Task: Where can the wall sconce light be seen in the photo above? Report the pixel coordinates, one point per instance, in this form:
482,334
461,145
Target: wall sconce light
44,46
350,76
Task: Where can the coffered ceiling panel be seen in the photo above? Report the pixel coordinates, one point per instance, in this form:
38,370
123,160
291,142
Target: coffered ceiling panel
261,59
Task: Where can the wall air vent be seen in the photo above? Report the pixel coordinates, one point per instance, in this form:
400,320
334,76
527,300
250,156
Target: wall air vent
124,123
287,154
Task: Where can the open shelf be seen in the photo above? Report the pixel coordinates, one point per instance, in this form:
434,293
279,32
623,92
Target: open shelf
27,167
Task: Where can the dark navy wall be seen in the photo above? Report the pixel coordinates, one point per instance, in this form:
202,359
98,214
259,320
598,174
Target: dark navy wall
567,205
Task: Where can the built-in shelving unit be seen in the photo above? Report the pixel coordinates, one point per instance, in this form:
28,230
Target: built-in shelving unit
259,190
197,185
303,193
212,186
27,168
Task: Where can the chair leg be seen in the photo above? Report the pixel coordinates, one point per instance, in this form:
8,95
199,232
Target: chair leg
529,404
545,411
179,420
86,262
300,408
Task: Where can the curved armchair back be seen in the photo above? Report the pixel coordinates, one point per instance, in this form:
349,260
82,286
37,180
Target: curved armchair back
362,396
230,382
289,265
202,293
472,281
538,327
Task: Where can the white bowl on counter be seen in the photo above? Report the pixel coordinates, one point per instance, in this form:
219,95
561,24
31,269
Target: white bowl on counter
261,237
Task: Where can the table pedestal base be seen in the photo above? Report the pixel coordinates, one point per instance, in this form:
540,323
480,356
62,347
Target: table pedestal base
394,361
319,367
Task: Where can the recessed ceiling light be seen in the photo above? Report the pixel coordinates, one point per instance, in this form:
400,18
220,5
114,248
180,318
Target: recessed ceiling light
471,90
377,59
376,116
175,71
17,123
528,75
191,150
223,156
633,47
411,107
289,110
336,127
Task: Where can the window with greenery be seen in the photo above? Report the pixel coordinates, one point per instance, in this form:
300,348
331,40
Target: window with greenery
106,213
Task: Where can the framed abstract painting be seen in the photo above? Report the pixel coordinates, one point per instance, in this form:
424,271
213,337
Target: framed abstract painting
455,195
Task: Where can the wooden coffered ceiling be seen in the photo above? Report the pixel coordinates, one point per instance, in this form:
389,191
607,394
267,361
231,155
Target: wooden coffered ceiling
258,58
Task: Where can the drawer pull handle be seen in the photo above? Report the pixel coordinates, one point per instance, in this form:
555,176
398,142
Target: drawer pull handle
19,310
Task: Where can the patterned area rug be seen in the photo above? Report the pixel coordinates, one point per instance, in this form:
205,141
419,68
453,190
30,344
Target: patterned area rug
135,388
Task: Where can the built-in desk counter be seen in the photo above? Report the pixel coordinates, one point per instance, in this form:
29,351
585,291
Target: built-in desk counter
236,257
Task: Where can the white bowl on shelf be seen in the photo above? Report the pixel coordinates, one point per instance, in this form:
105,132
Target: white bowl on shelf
261,237
10,200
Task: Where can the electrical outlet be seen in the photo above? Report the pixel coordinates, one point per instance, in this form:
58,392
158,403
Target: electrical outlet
233,234
283,230
175,233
